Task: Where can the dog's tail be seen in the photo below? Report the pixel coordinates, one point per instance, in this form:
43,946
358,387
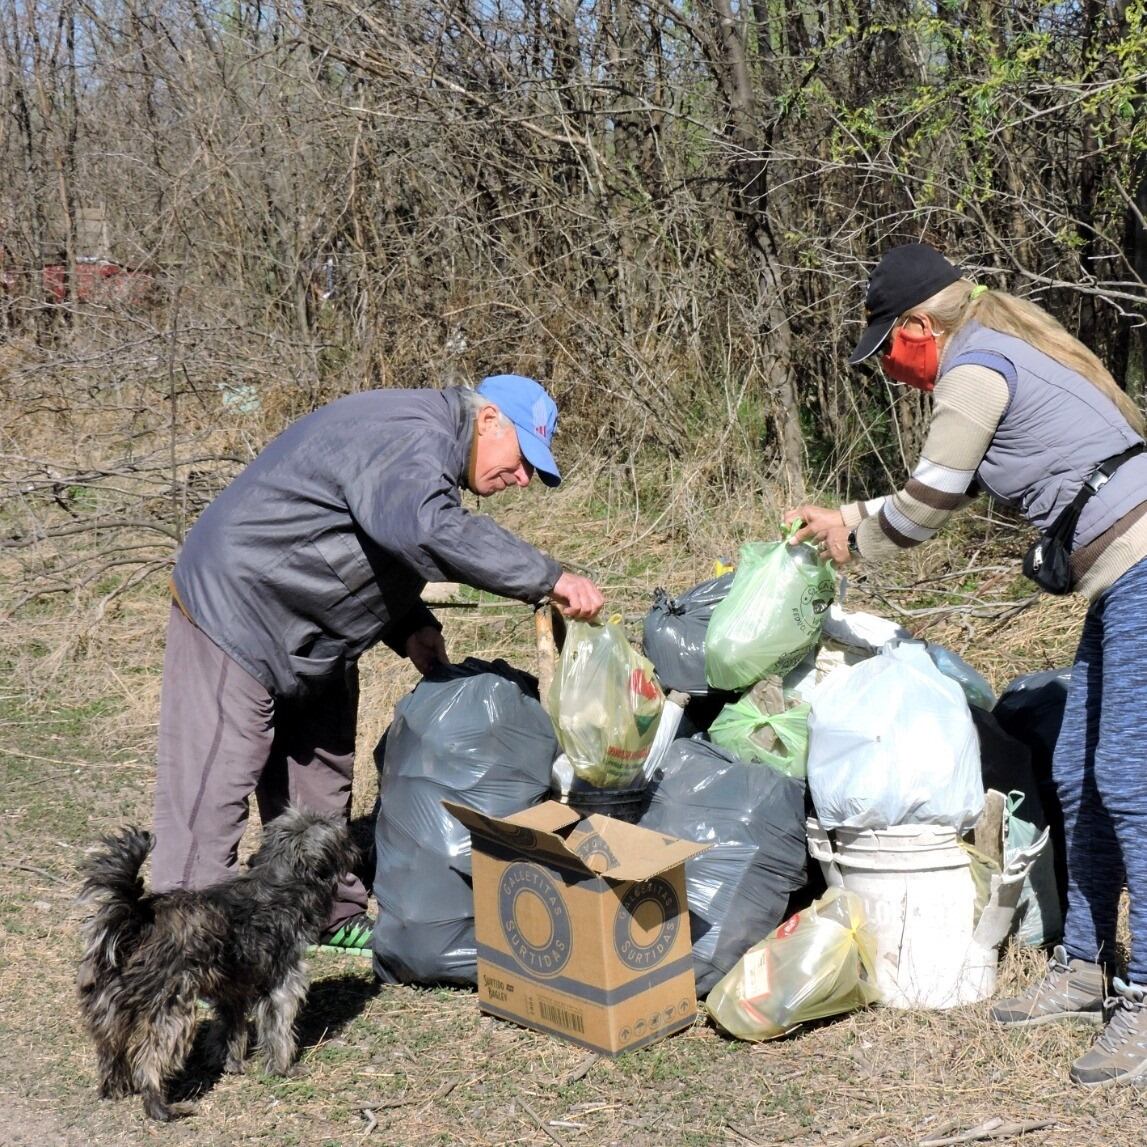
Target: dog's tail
114,893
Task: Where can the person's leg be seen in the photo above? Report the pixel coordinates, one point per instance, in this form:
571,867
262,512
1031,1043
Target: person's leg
1094,863
1120,761
215,732
312,766
1072,988
1120,780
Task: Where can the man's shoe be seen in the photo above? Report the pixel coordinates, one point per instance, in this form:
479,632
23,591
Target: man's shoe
1120,1053
351,937
1070,990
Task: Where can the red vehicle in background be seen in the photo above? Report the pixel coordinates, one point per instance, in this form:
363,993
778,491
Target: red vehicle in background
98,281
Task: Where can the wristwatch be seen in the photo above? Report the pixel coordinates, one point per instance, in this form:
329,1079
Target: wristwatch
852,546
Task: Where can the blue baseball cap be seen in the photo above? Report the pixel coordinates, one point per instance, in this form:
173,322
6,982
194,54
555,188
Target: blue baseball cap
534,415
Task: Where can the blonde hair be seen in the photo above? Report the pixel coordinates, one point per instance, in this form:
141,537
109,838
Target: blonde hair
955,305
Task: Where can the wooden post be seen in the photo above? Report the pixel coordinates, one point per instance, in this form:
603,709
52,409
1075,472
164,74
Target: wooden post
989,829
550,630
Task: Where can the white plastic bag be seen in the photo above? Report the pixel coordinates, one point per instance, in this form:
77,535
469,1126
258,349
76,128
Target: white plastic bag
802,682
891,741
866,632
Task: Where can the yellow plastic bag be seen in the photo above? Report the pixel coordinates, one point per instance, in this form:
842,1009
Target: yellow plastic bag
819,962
605,703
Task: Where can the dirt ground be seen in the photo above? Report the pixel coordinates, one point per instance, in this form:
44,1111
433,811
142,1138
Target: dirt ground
409,1066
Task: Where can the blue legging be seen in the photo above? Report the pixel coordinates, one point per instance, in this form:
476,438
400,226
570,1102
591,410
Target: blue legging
1100,772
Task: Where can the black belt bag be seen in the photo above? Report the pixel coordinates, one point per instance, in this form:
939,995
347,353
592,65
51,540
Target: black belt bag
1047,562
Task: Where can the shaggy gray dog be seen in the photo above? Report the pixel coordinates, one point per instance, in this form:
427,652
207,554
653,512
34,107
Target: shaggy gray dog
150,957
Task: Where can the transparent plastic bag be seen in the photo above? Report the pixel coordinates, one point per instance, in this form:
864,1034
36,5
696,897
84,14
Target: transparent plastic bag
605,702
752,733
819,962
975,685
772,614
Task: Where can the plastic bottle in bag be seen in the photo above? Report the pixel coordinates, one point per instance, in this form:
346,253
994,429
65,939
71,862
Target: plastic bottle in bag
605,702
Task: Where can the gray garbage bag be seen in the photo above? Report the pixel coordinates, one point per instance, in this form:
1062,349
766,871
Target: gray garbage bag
976,687
473,733
673,636
739,890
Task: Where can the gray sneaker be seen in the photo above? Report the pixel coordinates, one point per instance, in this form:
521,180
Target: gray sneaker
1120,1053
1070,990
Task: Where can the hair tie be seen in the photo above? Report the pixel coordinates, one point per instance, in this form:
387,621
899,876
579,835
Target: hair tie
978,290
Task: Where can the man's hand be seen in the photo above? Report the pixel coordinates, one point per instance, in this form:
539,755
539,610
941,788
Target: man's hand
825,528
426,648
577,597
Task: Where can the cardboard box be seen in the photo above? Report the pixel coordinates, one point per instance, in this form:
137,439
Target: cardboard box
582,925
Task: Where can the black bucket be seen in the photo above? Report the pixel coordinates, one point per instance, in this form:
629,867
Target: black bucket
621,804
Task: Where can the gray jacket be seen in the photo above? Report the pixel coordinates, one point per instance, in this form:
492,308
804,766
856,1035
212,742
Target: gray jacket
1056,428
321,546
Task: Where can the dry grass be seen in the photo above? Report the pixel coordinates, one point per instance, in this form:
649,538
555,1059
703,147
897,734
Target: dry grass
409,1066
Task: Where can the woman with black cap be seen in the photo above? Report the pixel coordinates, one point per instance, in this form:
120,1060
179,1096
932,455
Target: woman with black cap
1026,412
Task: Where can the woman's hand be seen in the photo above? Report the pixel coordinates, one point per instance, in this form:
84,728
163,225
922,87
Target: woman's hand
426,648
818,520
824,528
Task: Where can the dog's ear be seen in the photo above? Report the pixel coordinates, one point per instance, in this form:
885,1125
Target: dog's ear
298,840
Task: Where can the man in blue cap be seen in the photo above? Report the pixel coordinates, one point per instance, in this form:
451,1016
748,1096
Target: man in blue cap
317,551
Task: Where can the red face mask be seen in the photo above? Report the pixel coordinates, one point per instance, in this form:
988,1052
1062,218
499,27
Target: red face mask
912,359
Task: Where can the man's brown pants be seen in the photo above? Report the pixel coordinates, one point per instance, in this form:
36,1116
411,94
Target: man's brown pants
222,737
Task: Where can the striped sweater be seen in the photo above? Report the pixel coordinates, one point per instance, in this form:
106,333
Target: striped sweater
968,403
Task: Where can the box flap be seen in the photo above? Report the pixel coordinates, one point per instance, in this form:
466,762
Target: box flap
597,844
548,817
534,832
630,851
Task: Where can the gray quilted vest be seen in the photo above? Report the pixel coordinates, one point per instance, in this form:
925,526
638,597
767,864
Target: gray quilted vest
1056,428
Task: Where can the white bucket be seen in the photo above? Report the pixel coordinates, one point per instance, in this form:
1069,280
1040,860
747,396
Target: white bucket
917,886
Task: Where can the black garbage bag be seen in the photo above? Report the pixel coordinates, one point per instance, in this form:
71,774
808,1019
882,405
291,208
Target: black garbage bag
1006,764
674,634
739,890
1030,709
474,733
701,712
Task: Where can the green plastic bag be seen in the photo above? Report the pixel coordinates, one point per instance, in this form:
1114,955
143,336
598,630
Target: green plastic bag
776,739
819,962
605,703
772,614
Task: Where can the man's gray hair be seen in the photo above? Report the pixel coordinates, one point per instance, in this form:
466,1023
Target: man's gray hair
478,401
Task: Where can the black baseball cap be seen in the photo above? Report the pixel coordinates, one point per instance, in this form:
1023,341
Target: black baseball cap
904,277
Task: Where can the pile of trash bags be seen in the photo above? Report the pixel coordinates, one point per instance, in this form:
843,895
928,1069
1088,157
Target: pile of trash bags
754,706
